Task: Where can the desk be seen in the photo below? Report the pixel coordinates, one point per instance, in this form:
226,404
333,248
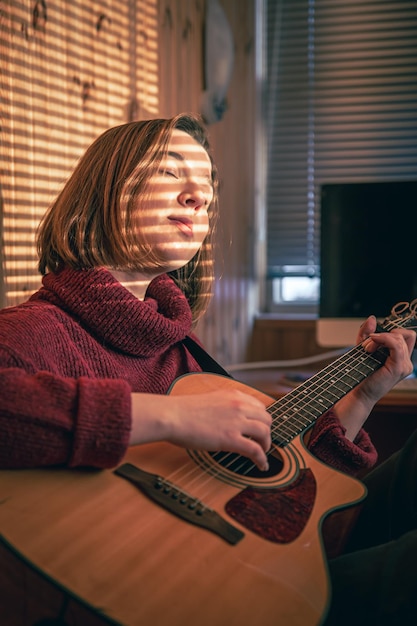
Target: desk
391,422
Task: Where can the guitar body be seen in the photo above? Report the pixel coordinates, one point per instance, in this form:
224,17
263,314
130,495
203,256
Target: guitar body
174,537
98,536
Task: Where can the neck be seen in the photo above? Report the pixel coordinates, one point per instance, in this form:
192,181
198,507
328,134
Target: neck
134,282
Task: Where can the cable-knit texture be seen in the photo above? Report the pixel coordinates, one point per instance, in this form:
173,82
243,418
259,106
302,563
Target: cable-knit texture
328,443
71,356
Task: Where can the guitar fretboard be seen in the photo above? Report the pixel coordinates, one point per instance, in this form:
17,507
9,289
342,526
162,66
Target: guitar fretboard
300,408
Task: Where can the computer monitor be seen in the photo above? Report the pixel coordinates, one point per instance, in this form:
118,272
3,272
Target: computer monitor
368,259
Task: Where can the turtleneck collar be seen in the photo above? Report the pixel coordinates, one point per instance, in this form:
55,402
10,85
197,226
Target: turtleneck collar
114,315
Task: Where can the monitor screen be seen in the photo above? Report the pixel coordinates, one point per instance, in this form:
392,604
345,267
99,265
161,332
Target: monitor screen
368,262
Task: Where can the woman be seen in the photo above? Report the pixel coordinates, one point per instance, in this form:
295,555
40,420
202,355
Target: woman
126,253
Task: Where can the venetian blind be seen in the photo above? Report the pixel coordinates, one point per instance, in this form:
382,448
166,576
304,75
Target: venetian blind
69,70
340,106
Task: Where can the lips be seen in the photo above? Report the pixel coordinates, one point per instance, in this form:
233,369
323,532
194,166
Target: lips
184,224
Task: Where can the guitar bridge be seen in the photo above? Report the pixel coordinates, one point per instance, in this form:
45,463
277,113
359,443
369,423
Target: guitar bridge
178,502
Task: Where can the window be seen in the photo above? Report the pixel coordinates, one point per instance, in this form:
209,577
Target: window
340,105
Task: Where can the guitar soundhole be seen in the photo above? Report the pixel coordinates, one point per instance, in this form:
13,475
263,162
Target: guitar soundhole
244,467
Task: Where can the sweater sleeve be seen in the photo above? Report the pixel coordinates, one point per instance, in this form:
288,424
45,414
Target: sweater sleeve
329,444
52,420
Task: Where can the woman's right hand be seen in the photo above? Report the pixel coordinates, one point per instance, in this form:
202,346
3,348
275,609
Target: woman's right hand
225,420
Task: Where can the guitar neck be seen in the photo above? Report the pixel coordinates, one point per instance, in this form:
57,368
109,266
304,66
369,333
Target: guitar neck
302,406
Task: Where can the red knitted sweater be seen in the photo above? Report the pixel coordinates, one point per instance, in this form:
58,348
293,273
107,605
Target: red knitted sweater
71,356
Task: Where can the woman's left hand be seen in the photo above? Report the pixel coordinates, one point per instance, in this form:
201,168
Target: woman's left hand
354,408
400,342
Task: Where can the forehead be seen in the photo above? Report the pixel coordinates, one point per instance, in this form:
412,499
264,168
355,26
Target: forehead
186,148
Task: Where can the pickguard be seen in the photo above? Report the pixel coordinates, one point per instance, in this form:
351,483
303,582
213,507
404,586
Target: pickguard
276,514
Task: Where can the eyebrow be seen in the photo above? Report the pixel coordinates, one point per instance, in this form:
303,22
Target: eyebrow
180,157
176,155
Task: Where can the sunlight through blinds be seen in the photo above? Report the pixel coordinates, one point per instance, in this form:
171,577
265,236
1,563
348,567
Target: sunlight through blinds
68,72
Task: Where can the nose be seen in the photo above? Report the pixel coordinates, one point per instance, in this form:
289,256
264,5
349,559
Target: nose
193,197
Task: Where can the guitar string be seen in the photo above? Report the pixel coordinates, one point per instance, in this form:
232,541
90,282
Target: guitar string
193,473
357,356
294,424
321,401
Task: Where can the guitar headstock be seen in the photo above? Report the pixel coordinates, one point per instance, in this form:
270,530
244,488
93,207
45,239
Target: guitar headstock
403,315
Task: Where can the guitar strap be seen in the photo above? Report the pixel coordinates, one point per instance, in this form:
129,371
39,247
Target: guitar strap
203,358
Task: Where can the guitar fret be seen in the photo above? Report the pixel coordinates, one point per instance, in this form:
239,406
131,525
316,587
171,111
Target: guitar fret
293,413
341,387
300,408
331,396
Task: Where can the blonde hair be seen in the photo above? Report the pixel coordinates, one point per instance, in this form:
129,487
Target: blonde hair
91,222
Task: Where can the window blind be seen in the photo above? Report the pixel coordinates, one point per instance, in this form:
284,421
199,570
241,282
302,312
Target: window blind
69,70
340,106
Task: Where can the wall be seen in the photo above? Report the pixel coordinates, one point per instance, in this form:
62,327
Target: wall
280,339
226,328
71,70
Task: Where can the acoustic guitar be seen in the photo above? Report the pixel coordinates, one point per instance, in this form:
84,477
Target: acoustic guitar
174,537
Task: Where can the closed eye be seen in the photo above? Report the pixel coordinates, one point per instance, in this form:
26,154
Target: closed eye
168,172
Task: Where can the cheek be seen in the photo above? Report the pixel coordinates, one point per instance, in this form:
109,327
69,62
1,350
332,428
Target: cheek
205,226
201,229
150,214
